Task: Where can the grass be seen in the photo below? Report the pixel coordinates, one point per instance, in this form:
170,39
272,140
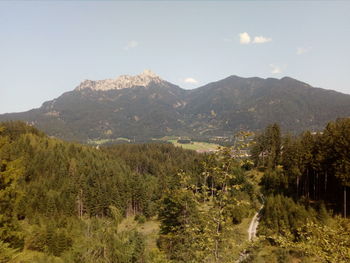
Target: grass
167,138
239,234
264,252
241,230
34,256
196,146
104,141
149,230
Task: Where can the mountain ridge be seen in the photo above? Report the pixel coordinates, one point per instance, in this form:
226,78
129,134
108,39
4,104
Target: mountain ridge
146,107
121,82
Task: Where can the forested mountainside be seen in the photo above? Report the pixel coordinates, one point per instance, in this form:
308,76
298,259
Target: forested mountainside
144,107
66,202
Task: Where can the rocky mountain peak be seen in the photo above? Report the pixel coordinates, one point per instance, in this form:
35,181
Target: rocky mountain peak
121,82
149,73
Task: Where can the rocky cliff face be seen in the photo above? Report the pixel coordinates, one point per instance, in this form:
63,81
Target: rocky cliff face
122,82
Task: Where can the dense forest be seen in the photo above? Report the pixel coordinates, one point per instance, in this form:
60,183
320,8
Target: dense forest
312,166
305,182
67,202
58,197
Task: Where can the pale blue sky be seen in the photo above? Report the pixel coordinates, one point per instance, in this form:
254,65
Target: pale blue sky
47,48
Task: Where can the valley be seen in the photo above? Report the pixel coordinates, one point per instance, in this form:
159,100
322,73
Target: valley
202,131
155,202
136,169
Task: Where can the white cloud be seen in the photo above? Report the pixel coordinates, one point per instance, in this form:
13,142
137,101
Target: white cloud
261,40
244,38
275,69
190,80
131,44
301,50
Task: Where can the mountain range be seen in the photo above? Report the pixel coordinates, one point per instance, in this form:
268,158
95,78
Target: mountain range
146,107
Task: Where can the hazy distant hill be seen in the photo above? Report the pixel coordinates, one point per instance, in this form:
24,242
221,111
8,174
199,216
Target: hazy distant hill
145,107
253,103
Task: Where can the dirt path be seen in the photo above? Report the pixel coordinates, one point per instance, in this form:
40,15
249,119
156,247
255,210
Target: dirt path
254,226
251,234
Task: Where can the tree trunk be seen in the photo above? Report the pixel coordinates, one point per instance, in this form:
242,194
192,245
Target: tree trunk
345,201
216,252
297,186
314,185
317,187
307,184
80,205
212,187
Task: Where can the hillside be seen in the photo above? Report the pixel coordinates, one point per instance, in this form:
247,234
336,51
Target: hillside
145,106
151,203
67,202
253,103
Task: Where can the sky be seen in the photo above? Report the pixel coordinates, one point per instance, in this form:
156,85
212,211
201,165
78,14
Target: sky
49,47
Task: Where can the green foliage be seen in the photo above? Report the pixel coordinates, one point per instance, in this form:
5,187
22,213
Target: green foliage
238,213
282,216
178,215
262,251
274,182
64,201
327,243
337,136
98,240
6,252
197,219
141,219
157,256
11,171
313,167
267,149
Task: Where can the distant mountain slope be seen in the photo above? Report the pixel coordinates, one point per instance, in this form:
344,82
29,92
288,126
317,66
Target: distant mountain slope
253,103
145,107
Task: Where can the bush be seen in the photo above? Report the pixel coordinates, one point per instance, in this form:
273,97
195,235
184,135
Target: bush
184,141
238,213
141,219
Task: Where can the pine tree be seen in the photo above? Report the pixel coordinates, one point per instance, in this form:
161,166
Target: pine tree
11,172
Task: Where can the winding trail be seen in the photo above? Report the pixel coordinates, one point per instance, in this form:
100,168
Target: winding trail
251,234
254,225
